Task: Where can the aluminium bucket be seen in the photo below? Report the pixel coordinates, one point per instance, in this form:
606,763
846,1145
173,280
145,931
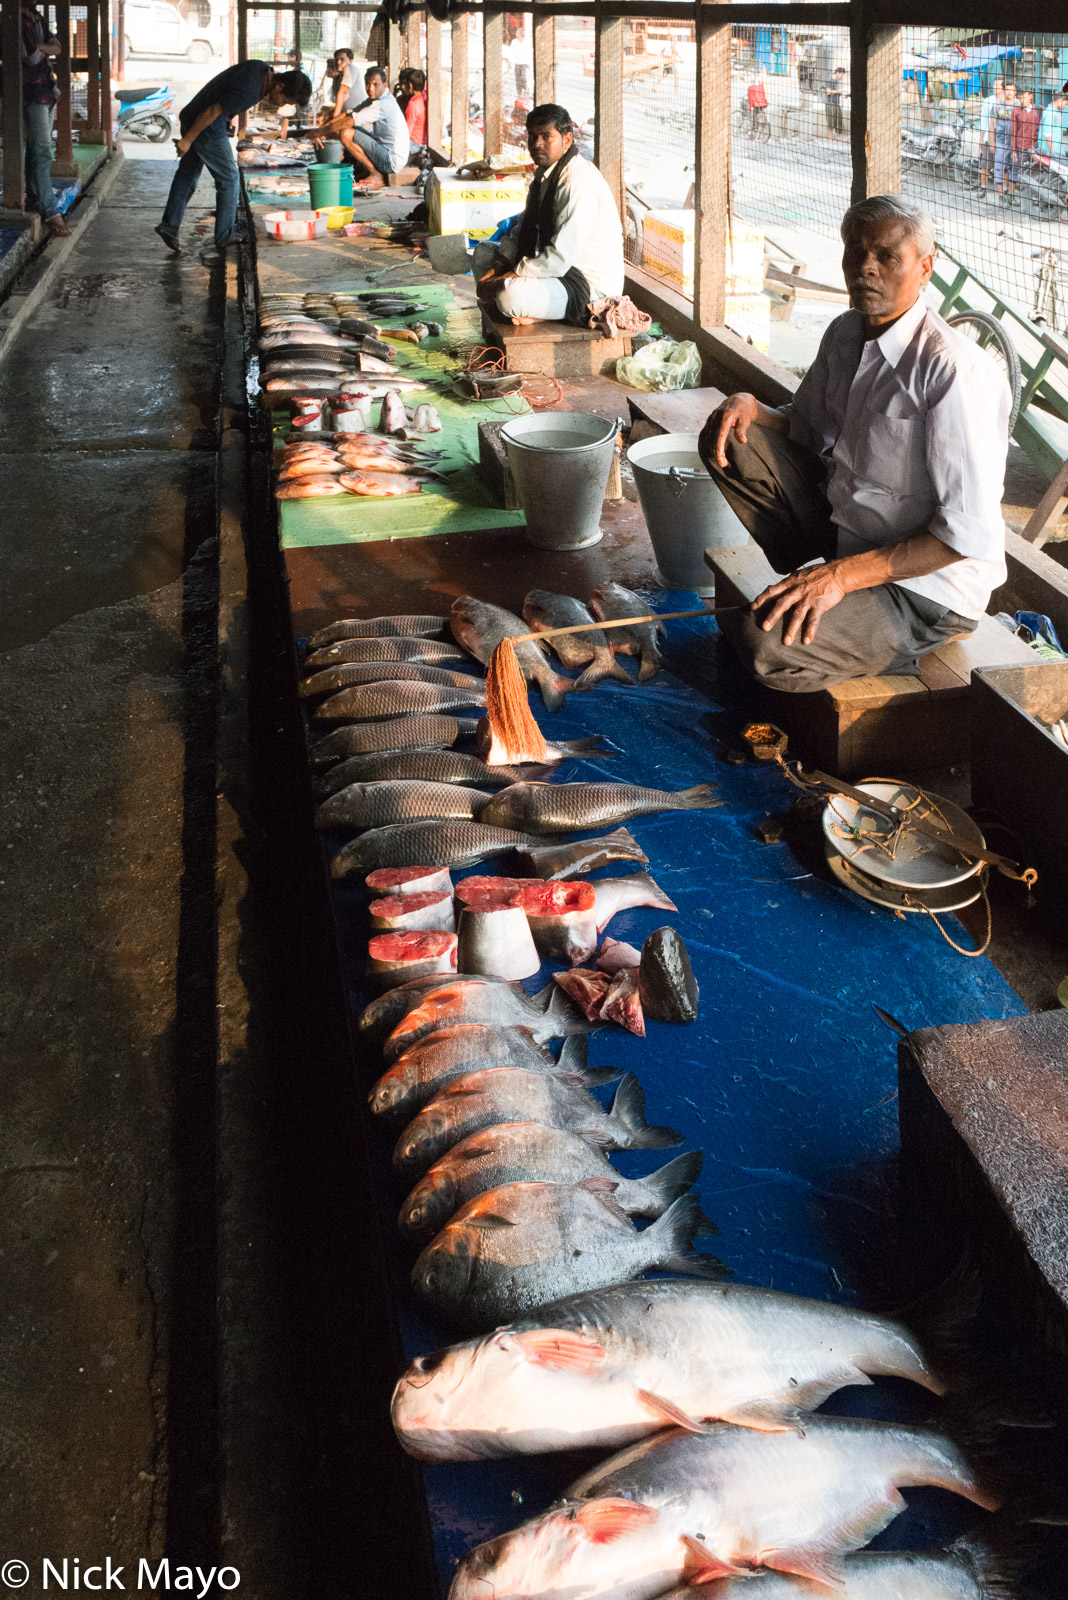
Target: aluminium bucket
332,152
560,461
684,510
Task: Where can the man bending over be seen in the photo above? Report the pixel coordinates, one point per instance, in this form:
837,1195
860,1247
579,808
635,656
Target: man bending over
568,248
887,468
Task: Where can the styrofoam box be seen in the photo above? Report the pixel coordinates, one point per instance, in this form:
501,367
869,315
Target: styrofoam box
473,206
749,316
668,250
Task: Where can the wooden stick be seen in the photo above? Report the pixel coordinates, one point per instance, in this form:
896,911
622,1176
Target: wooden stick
623,622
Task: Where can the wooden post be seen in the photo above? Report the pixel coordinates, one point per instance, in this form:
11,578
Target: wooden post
106,118
492,83
460,100
435,99
92,51
875,64
544,24
608,104
393,61
14,153
413,39
713,168
242,50
120,42
64,143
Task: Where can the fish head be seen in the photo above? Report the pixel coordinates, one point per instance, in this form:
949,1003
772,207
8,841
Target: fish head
430,1204
392,1089
424,1139
577,1549
431,1407
442,1273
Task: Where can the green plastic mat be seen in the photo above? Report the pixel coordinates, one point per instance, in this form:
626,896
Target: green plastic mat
460,505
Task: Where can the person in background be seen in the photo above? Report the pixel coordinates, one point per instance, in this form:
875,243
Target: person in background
1026,120
1052,139
833,109
205,141
375,134
886,469
989,105
326,93
568,248
39,95
346,96
412,101
1001,137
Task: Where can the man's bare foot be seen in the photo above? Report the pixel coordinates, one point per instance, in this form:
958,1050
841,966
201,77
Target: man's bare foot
57,227
377,182
523,322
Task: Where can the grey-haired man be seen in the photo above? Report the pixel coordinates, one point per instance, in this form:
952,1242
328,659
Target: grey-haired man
887,468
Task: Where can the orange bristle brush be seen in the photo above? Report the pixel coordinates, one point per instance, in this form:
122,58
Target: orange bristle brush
514,736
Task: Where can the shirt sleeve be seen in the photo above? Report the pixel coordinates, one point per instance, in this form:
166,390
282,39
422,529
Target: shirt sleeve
967,441
806,414
561,253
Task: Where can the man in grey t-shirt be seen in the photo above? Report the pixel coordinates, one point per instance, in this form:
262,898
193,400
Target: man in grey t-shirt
375,134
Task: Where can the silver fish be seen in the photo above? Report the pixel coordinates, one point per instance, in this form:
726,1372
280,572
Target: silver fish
438,844
602,1370
517,1246
578,860
573,807
354,674
377,805
542,609
620,894
352,652
426,420
514,1094
512,1152
379,1019
392,417
611,601
967,1570
396,733
480,627
684,1507
382,628
436,766
448,1053
396,698
548,1014
406,913
497,939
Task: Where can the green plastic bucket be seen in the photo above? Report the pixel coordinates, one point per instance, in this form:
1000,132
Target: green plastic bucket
330,185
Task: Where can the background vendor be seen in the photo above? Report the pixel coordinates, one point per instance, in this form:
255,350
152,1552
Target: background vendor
568,248
375,134
886,469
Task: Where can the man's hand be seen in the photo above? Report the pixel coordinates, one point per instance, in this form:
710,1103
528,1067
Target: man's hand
801,600
736,415
182,145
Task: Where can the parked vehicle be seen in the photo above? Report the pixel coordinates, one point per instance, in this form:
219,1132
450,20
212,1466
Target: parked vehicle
147,113
155,28
1044,184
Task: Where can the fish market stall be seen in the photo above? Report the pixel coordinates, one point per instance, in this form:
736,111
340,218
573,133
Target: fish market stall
630,1024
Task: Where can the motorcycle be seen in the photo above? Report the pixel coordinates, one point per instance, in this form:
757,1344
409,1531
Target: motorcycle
935,148
1045,183
146,113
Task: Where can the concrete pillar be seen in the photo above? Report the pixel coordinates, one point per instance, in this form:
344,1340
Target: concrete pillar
492,82
713,169
544,58
608,104
14,154
460,28
435,98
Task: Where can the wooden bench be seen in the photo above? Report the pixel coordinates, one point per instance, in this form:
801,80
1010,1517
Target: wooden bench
868,727
554,348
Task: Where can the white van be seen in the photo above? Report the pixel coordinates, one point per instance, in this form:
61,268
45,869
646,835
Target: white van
156,28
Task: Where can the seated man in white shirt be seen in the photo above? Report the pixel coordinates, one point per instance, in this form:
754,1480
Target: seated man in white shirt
375,134
887,466
568,248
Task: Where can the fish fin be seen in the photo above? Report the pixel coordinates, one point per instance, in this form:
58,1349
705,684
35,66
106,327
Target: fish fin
597,672
820,1566
544,997
603,1189
594,1077
602,1521
765,1417
651,664
810,1396
698,797
701,1565
943,1319
670,1413
574,1054
628,1116
594,745
551,691
561,1349
670,1182
675,1232
823,1563
996,1565
567,1018
490,1219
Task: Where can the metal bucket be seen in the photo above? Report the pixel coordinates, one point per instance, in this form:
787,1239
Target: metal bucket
684,510
560,461
332,152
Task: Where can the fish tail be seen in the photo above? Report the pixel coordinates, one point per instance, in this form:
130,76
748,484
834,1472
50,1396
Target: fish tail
699,797
651,664
574,1057
628,1119
554,690
594,745
671,1182
996,1562
601,667
657,897
675,1233
566,1020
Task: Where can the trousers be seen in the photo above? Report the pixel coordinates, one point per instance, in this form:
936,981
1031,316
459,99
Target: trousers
40,195
544,299
210,149
777,490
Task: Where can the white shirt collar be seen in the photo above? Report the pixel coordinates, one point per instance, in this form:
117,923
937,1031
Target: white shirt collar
892,344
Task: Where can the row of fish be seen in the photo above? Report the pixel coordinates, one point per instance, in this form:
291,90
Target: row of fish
355,463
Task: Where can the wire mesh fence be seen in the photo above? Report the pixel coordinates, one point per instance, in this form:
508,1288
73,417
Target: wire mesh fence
659,103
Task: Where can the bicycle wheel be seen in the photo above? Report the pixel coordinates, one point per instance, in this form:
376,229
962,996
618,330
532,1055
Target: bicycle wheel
763,129
990,336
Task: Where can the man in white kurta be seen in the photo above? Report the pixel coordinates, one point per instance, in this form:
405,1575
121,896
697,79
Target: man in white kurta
887,468
568,249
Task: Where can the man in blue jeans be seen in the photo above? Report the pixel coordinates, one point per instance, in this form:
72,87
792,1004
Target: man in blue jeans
39,50
205,142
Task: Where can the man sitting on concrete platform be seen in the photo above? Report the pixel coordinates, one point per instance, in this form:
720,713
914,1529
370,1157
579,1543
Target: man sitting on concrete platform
568,248
887,467
375,134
